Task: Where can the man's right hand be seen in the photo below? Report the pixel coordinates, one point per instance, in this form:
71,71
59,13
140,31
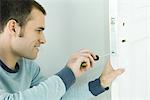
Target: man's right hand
76,59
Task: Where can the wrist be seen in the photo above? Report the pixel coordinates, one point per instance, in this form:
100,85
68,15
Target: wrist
67,77
104,83
73,71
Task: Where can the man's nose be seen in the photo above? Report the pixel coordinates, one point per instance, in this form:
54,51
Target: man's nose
42,39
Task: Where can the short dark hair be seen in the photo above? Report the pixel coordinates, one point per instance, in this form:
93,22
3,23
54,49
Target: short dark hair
19,10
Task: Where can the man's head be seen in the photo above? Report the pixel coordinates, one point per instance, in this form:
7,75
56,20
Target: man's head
21,27
18,10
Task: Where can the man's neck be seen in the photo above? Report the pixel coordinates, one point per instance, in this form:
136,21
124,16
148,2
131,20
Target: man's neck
8,59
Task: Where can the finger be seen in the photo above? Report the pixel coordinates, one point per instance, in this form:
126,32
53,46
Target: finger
117,72
108,68
120,71
85,64
90,52
89,57
109,65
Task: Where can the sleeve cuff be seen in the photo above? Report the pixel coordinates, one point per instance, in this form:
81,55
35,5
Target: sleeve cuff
67,77
95,87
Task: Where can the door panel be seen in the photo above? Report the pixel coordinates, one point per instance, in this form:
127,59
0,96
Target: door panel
132,26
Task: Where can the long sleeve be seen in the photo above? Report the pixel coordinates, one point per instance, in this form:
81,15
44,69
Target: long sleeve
84,92
29,84
53,88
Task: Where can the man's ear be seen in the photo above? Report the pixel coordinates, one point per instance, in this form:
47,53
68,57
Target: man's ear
13,27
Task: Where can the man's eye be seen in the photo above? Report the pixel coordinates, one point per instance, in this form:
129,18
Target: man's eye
38,30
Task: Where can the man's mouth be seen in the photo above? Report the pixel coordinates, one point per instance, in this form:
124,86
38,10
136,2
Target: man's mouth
37,47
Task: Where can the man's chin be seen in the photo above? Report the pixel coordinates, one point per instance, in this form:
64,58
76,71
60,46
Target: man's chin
32,57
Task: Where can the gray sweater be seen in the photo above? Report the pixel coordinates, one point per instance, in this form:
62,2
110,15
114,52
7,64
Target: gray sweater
27,83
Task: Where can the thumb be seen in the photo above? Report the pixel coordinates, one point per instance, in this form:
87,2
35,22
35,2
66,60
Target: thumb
118,72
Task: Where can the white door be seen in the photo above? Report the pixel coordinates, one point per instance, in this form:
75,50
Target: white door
130,48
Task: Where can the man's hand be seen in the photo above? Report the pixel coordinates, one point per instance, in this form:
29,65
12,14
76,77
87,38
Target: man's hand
78,58
109,74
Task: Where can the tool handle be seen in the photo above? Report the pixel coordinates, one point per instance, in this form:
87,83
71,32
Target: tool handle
83,64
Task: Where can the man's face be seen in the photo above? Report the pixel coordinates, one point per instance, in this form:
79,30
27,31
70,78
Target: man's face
28,45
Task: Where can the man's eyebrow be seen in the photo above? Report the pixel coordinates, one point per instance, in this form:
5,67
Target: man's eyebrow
40,28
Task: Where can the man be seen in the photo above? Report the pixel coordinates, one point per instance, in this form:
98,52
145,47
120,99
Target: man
21,34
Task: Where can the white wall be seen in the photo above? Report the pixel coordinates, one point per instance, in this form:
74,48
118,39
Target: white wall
70,26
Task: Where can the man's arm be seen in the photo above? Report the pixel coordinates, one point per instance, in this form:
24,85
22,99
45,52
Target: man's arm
85,91
95,87
55,87
52,88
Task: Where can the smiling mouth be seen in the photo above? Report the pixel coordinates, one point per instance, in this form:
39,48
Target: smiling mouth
37,48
